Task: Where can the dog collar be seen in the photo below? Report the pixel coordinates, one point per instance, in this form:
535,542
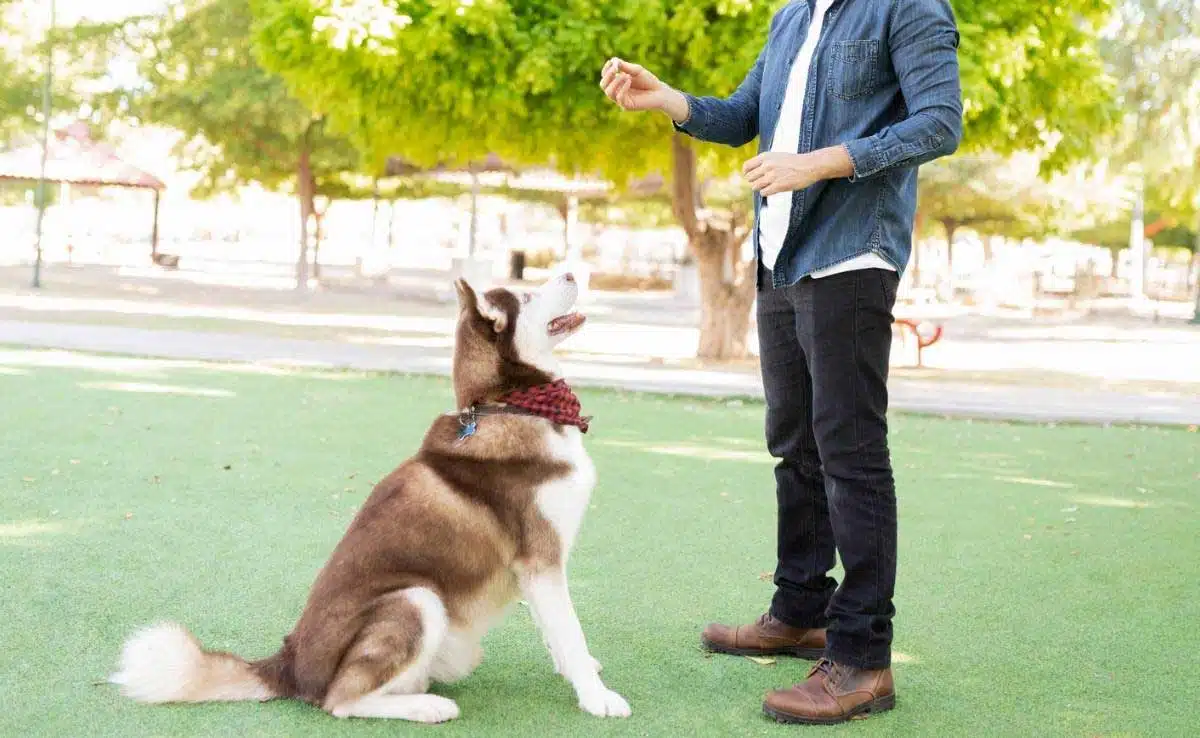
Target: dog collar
555,402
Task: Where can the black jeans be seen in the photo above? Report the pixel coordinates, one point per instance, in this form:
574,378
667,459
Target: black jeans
824,345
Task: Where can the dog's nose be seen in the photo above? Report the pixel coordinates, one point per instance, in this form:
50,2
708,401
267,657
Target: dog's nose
569,278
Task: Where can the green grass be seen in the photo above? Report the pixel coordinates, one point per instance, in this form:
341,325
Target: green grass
1047,575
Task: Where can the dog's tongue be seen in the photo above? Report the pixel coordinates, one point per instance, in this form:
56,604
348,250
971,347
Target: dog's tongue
565,323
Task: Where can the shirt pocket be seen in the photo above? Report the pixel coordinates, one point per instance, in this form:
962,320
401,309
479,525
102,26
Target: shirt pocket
854,70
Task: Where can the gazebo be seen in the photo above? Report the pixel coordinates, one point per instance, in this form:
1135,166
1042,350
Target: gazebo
73,158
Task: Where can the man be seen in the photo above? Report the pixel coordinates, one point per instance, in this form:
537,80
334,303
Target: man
847,98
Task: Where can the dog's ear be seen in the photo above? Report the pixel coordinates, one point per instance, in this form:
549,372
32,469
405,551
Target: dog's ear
469,300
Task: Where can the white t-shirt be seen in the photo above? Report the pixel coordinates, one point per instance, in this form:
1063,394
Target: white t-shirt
775,219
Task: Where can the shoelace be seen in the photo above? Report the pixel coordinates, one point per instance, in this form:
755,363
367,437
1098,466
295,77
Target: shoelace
824,666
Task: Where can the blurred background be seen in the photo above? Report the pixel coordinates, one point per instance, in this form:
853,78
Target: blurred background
316,171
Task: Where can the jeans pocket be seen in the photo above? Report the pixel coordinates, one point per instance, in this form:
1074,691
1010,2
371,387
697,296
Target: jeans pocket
889,285
854,70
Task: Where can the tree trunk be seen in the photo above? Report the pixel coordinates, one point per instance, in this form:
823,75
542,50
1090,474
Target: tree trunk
1137,246
305,185
474,214
318,234
951,227
724,302
391,224
727,282
1196,263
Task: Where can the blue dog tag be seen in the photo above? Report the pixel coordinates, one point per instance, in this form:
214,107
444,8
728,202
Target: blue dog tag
466,431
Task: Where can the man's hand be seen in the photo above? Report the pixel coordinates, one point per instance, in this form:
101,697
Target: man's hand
634,87
773,172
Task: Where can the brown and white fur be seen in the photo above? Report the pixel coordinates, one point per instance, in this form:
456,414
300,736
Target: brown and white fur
439,551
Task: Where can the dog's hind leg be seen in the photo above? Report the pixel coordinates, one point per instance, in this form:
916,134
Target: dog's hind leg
385,673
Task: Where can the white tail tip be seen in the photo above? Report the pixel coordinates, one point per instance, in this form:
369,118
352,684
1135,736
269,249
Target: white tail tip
158,664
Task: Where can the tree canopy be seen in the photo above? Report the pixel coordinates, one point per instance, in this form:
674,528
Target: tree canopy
442,78
239,122
1153,52
438,80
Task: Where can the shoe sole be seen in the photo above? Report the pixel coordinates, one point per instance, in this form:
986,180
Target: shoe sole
862,712
800,652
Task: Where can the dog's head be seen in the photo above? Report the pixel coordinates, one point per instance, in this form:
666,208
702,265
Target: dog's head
505,339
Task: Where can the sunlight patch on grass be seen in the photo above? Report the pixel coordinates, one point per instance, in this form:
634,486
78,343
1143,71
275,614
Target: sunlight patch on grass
957,475
420,341
751,442
1113,502
706,453
1036,482
157,389
14,361
90,362
27,532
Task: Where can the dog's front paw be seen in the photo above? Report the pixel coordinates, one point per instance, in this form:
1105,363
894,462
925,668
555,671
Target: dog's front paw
605,703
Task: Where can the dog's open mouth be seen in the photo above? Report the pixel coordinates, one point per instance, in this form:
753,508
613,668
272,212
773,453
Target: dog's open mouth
565,324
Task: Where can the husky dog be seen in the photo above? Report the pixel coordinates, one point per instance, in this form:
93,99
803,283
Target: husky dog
483,514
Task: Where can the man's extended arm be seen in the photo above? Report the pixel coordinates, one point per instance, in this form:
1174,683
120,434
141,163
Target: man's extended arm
924,47
732,121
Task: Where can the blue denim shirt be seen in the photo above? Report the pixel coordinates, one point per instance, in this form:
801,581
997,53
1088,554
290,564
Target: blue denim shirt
884,83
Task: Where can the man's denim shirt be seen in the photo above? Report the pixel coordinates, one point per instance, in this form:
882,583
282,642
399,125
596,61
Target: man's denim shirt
883,82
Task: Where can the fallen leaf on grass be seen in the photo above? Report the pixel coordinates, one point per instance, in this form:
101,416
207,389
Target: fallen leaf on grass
1028,537
762,660
28,480
74,461
1194,429
129,516
766,576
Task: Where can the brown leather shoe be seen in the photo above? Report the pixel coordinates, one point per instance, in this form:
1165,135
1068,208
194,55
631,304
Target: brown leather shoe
765,637
833,694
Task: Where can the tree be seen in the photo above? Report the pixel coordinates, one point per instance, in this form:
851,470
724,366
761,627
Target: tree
985,193
449,80
19,88
1152,50
240,123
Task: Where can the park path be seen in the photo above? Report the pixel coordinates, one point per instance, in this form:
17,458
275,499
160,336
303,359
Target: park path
960,399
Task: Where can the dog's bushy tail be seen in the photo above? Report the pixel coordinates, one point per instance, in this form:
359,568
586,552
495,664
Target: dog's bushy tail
165,663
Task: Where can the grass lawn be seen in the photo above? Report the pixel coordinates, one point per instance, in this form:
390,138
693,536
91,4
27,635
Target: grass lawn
1048,576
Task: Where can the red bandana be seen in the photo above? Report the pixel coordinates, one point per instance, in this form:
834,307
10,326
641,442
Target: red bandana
554,402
